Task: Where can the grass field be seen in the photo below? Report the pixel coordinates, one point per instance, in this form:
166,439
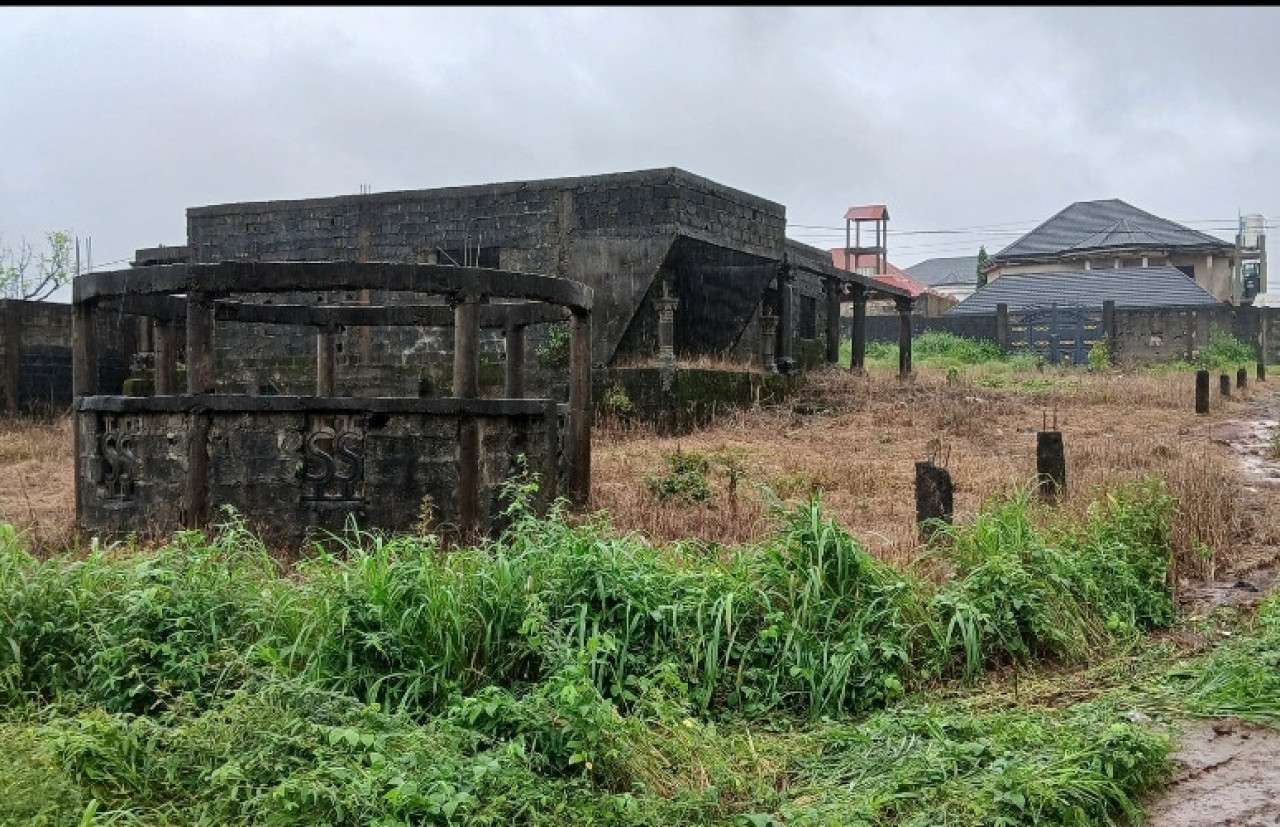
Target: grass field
744,629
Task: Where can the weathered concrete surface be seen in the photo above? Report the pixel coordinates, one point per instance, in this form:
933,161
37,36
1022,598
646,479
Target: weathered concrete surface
295,466
611,232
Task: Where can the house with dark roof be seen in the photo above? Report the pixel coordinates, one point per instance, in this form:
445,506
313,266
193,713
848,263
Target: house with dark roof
1129,287
956,276
1112,235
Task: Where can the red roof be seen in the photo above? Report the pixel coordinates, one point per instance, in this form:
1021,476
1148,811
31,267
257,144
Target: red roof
892,276
871,212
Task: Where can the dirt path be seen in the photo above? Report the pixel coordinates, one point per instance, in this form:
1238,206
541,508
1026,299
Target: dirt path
1228,774
1228,771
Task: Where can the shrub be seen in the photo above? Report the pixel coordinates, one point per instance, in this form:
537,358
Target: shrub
687,479
1225,351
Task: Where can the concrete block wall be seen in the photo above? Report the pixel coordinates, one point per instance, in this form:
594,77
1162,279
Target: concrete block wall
35,354
676,401
397,464
612,232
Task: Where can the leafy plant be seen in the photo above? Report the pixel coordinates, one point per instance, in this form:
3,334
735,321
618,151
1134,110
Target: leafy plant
1225,352
686,481
618,403
554,352
1100,355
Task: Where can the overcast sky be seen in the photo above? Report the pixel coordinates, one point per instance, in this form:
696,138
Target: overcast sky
972,125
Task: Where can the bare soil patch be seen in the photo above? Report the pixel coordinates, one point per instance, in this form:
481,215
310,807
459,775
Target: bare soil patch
1228,774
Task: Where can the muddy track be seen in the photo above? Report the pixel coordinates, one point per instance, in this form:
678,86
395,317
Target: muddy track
1228,771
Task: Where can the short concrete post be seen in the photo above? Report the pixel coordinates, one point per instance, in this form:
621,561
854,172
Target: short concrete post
934,498
1224,384
1202,391
1051,465
768,338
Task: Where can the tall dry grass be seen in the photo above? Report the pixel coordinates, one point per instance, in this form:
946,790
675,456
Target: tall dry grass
856,439
37,491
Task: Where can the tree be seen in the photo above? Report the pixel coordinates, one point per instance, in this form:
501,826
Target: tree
26,275
982,266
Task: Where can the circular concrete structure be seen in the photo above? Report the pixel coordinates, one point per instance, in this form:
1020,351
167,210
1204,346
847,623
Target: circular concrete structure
294,464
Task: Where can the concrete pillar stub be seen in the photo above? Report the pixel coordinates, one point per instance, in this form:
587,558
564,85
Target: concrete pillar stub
768,338
666,328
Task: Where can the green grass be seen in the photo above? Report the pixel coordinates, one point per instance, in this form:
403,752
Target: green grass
567,674
945,350
984,362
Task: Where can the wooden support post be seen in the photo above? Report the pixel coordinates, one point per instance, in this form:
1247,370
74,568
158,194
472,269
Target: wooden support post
1051,465
513,378
833,320
166,358
1224,384
904,336
1242,378
466,385
934,498
580,409
1262,371
858,337
1202,391
326,363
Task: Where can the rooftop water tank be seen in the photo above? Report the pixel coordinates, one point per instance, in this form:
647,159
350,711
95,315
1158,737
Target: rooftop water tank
1251,231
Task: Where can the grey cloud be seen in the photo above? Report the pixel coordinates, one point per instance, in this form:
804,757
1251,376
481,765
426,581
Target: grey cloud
119,119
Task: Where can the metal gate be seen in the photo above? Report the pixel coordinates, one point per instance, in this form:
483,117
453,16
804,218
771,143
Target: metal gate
1061,335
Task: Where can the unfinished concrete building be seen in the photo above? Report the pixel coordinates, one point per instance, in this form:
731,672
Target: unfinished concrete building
676,268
